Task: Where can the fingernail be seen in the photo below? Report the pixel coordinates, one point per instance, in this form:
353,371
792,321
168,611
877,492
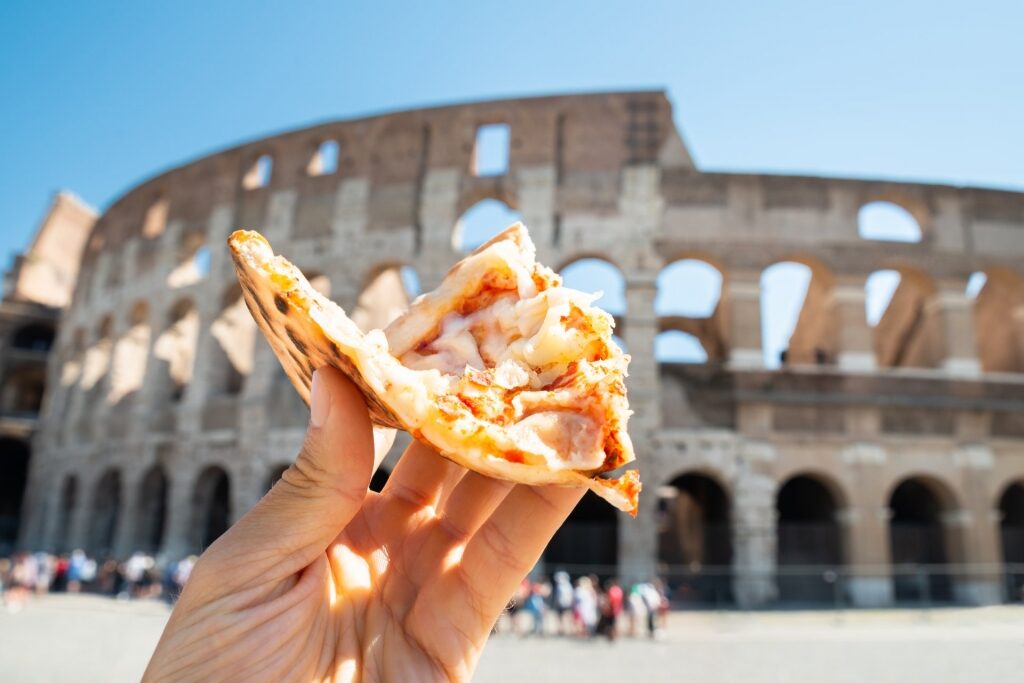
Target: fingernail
319,402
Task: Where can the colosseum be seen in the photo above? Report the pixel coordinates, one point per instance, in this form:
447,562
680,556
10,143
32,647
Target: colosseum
878,458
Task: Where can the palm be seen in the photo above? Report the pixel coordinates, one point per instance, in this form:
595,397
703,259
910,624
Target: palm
408,590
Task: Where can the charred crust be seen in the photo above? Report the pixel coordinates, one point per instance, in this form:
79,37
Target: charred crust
298,343
281,304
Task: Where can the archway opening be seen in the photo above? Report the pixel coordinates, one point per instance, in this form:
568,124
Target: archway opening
998,319
106,511
887,222
176,349
130,354
14,456
386,296
1011,533
481,222
897,308
211,504
919,541
594,275
152,510
68,502
23,390
795,316
675,346
588,542
810,552
34,337
695,539
234,340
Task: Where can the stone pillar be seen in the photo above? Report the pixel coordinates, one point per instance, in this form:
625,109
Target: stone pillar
280,215
350,214
865,530
856,342
973,532
439,198
128,514
754,541
954,311
536,194
638,538
179,536
744,319
81,515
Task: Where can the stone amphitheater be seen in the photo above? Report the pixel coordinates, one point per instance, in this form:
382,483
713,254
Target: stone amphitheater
874,461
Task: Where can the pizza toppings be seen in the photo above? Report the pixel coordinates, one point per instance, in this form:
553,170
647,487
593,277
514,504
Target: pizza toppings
501,368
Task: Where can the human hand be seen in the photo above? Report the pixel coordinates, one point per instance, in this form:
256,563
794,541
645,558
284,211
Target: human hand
324,580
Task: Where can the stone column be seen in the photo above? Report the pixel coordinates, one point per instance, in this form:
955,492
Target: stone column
856,342
128,514
754,541
638,538
536,193
179,536
973,532
349,218
744,318
865,530
81,515
954,311
438,205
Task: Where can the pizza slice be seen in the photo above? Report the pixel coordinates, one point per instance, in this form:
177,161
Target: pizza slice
501,369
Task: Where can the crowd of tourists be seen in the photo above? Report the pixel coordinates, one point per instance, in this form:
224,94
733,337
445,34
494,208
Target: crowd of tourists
586,608
24,574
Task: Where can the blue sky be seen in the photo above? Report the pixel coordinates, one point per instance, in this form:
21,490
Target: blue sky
100,95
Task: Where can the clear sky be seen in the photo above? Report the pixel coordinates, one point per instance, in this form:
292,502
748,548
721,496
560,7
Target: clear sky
99,95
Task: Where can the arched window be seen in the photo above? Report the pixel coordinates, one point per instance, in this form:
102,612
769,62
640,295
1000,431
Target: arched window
152,512
878,291
783,293
491,150
211,506
324,160
234,335
594,275
887,222
920,540
176,348
193,260
33,337
259,173
385,297
106,513
674,346
809,539
998,296
130,355
481,222
155,222
896,304
689,288
695,539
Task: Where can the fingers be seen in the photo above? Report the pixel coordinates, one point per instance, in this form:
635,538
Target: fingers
319,494
474,588
423,478
470,504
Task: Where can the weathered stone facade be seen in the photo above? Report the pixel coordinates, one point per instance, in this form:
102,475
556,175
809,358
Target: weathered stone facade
161,402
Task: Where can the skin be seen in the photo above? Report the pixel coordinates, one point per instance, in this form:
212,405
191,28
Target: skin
324,580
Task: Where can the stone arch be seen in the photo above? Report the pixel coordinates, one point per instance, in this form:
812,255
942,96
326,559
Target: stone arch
483,218
151,514
14,458
211,506
193,260
324,158
233,334
34,337
155,220
695,538
106,512
1010,506
906,332
679,346
128,367
999,320
175,349
809,537
688,300
925,535
798,314
23,389
97,362
592,274
386,294
67,504
259,172
892,218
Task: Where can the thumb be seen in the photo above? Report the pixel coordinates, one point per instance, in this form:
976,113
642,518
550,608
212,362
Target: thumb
320,493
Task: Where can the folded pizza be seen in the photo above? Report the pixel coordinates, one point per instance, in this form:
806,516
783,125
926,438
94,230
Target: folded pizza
501,369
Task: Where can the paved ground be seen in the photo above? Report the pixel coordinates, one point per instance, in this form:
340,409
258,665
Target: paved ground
87,639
